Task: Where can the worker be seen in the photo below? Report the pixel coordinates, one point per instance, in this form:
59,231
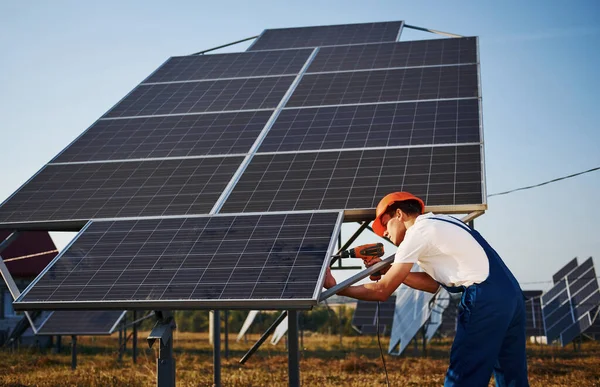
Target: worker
490,333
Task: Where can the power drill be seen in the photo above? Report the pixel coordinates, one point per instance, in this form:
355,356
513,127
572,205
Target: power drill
366,253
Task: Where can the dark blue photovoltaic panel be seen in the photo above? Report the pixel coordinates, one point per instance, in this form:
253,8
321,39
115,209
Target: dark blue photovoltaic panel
273,260
170,136
365,315
564,271
81,323
231,65
204,96
377,125
69,192
433,52
553,292
535,325
327,35
357,179
386,86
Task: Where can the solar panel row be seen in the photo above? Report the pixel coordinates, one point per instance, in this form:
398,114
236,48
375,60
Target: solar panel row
567,307
368,313
284,38
191,262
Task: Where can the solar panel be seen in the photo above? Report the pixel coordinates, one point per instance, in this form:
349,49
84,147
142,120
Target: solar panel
533,309
167,136
365,315
400,54
412,311
449,318
332,35
203,96
81,323
357,179
567,307
564,270
71,192
386,86
375,125
440,302
274,261
232,65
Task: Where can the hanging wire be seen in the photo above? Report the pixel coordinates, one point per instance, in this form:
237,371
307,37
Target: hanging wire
544,183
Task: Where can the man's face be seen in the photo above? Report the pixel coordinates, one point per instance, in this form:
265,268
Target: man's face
394,225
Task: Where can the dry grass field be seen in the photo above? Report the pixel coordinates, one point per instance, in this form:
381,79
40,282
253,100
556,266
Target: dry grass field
324,362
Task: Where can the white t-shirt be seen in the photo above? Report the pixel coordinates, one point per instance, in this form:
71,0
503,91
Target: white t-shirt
448,253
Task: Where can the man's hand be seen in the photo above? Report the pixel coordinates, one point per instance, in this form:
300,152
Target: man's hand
329,280
375,260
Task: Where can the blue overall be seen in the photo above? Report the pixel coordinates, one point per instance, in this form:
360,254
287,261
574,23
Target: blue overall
490,333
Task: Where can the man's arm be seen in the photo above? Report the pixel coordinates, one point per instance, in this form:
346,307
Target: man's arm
375,291
421,281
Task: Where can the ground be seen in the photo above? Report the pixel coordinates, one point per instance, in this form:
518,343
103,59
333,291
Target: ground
324,362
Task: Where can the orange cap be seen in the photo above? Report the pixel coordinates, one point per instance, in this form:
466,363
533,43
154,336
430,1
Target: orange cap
386,202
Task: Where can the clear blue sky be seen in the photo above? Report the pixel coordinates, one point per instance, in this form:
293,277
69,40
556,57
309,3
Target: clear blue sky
64,63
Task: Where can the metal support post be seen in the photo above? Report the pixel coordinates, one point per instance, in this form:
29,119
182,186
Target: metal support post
165,364
124,334
73,352
120,357
134,339
293,354
57,348
226,318
216,349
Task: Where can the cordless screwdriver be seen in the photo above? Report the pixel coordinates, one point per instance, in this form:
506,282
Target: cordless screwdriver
366,253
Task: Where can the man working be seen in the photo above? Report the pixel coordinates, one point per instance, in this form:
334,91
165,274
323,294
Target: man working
490,334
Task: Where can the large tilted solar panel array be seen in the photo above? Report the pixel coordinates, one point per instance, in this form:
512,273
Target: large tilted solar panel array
568,307
274,260
284,128
366,315
81,323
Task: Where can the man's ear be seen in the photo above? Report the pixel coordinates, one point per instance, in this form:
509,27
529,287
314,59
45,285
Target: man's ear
399,214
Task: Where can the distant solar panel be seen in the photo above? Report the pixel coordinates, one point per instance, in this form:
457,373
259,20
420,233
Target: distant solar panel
203,96
357,179
565,270
567,307
366,316
120,189
386,86
533,308
232,65
412,311
81,323
401,54
267,261
168,136
331,35
375,125
439,304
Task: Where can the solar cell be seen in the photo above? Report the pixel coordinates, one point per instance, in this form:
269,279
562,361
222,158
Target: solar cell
232,65
170,136
79,192
357,179
386,86
365,315
375,125
203,96
564,271
81,323
268,261
400,54
331,35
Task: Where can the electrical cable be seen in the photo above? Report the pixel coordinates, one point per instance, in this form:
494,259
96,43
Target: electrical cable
544,183
387,380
